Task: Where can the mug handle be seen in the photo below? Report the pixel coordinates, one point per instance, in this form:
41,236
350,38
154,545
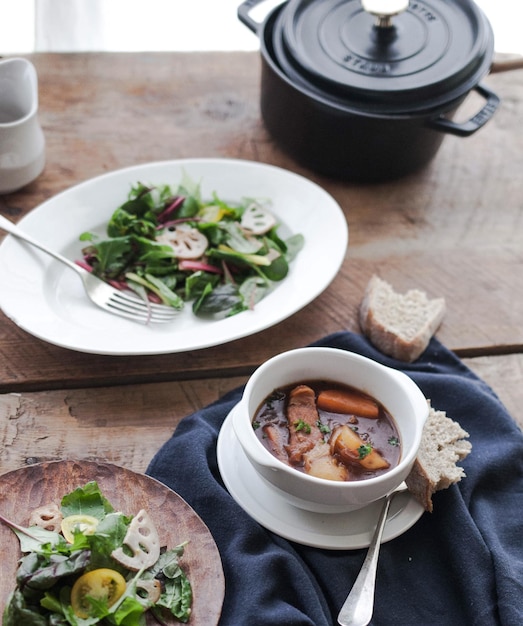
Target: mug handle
465,129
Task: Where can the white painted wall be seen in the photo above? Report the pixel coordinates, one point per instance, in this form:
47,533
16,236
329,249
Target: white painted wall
155,25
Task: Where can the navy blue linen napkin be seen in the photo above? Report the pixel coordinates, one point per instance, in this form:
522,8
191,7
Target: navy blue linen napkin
461,564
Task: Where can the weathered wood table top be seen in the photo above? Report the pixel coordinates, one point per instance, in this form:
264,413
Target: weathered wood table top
454,229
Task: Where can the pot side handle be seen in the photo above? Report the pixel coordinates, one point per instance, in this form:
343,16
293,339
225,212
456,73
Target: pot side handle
465,129
244,14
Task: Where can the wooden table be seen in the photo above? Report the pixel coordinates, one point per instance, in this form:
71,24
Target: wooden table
455,229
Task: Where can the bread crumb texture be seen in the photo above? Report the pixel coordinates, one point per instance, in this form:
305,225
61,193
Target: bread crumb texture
399,325
443,444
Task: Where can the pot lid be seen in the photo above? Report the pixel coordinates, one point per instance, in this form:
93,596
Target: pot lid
405,53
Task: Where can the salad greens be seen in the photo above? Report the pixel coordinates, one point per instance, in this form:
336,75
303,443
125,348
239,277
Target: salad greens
81,583
170,246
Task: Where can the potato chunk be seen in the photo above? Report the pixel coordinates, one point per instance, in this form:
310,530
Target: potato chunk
319,462
352,449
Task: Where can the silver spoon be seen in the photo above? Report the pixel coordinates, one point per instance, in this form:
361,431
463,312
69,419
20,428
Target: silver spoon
358,607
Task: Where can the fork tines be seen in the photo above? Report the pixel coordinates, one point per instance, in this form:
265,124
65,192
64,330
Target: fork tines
127,305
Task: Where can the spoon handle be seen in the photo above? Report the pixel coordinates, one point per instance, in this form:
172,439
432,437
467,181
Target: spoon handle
358,607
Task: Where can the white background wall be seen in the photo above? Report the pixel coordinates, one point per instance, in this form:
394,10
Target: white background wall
134,25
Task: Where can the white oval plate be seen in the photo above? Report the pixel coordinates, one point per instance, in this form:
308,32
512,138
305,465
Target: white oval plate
47,300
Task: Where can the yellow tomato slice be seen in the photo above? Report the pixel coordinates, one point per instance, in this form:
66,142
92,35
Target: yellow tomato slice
102,584
211,213
73,523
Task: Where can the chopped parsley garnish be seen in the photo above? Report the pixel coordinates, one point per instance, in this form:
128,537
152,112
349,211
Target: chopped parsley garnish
324,428
275,396
301,425
364,450
394,441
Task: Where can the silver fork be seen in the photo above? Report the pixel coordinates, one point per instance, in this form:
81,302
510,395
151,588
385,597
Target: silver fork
358,607
125,304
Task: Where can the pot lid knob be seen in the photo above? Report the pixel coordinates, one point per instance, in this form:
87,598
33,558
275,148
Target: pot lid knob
384,10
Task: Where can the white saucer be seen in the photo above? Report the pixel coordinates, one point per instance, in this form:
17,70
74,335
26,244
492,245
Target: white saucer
333,531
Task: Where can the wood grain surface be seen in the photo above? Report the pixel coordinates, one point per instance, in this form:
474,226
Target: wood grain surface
124,425
26,489
128,424
453,229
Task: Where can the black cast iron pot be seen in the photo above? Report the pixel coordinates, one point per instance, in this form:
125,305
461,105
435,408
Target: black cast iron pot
369,96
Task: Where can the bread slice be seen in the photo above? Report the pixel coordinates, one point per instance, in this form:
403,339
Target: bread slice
443,444
399,325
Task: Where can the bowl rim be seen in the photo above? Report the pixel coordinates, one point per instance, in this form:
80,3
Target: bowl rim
272,462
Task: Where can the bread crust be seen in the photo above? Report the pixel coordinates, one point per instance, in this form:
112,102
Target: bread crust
399,325
443,444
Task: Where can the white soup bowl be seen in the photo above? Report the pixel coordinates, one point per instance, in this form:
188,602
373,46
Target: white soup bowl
394,390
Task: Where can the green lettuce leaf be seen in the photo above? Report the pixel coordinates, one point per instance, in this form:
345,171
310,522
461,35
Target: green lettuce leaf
87,500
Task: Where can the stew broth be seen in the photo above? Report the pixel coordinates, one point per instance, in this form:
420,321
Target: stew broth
328,430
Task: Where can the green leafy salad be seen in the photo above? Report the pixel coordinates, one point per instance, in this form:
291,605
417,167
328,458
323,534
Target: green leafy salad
84,563
171,246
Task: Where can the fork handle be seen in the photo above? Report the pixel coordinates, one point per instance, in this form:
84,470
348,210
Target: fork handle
14,230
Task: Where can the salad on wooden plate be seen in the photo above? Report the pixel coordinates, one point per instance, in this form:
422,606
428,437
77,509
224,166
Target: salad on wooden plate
85,563
118,548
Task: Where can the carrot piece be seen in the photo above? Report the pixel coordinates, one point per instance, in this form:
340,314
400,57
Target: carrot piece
348,402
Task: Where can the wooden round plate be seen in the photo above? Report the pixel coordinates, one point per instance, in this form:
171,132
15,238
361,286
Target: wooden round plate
23,490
